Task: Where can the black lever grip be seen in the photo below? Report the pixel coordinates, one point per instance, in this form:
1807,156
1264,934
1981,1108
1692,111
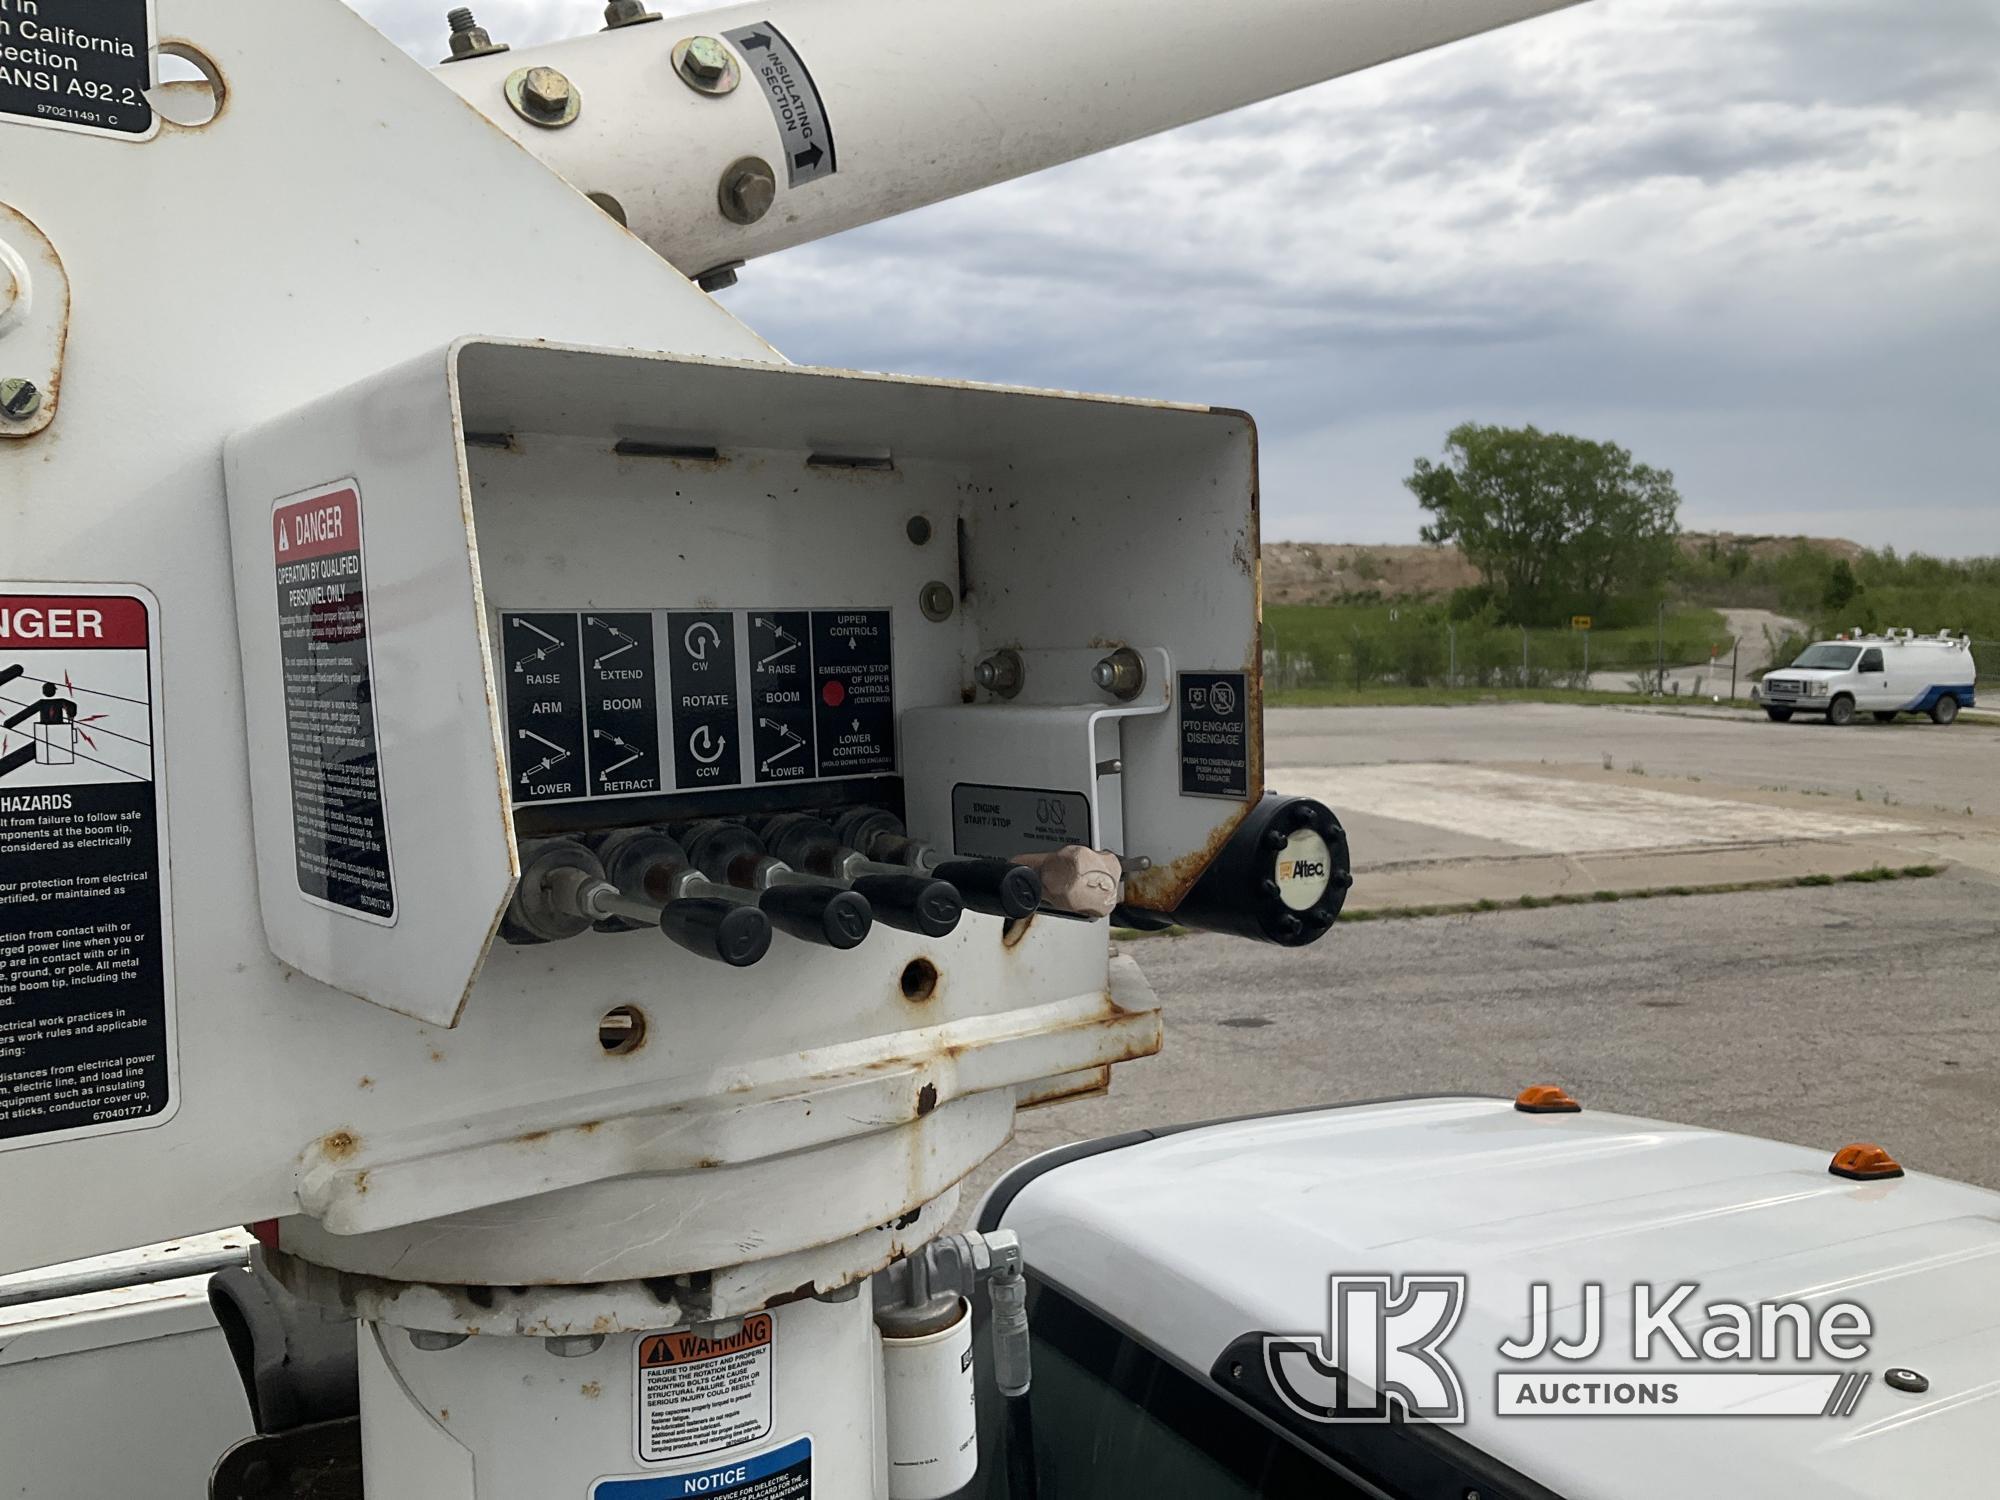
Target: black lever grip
729,931
994,886
818,913
913,903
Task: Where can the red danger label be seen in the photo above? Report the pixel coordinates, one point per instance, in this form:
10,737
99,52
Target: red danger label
106,622
339,824
318,527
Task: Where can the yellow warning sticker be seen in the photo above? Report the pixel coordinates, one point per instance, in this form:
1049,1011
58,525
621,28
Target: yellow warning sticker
698,1393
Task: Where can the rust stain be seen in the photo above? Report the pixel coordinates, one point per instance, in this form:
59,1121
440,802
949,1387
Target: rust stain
927,1099
531,1138
1014,929
365,1083
361,1181
186,50
444,1413
339,1145
1164,887
590,1390
436,1056
800,1293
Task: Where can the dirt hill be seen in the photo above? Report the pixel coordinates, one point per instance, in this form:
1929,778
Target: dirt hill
1318,572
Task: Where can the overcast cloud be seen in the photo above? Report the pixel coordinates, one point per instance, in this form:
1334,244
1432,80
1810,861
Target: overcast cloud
1756,242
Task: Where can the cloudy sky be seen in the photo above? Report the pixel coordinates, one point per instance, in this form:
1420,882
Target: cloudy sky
1757,242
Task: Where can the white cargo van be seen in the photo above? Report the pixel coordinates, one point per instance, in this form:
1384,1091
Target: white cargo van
1898,672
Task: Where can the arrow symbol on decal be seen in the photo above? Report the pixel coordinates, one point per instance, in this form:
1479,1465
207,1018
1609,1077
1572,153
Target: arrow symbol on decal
810,157
754,40
616,634
631,754
556,754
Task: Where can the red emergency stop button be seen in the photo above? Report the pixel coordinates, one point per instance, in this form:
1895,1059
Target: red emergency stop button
833,694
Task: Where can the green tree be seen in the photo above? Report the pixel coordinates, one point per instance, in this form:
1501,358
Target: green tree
1554,523
1841,587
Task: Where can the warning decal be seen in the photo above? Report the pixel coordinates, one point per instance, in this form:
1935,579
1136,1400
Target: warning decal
776,68
1215,734
781,1474
78,65
999,822
86,938
857,691
699,1394
339,829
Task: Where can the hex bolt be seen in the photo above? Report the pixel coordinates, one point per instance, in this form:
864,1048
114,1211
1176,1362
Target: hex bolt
543,96
19,399
545,91
1122,673
468,37
719,278
627,13
747,190
937,601
433,1342
574,1345
705,65
1001,673
845,1293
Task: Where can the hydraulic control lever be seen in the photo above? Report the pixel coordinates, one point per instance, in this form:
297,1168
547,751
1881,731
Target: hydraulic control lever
807,907
657,866
565,889
997,887
911,903
929,899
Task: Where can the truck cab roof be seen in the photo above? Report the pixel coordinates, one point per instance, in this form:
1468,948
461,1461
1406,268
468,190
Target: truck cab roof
1199,1238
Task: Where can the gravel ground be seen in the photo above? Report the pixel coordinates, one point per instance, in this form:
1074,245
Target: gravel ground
1820,1015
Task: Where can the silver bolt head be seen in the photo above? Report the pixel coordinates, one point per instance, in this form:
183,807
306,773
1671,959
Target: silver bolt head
706,58
987,673
1105,674
749,187
627,13
574,1346
474,41
546,91
937,601
19,399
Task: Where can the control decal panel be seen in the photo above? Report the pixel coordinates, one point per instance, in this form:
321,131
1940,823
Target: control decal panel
627,703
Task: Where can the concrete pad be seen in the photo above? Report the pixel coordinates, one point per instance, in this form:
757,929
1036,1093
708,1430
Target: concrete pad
1558,815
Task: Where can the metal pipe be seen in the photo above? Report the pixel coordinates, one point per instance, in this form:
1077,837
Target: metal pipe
910,102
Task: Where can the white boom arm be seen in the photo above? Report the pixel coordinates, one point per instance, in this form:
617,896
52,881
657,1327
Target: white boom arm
918,102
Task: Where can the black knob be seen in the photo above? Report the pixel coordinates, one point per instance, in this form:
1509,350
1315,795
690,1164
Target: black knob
912,903
728,931
819,913
994,886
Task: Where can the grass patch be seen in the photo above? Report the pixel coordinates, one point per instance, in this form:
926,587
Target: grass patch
1872,876
1394,695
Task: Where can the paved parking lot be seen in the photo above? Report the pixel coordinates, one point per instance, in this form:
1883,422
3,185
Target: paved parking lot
1821,1014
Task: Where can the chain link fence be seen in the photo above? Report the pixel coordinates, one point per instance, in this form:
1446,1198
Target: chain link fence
1423,654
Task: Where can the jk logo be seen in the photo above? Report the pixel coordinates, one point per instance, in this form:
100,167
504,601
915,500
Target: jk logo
1382,1349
